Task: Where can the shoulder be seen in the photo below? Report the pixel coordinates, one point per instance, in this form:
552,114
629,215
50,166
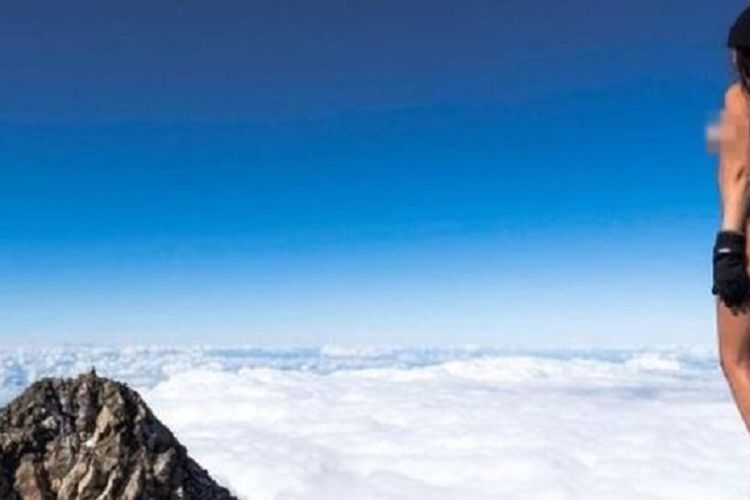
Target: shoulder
734,97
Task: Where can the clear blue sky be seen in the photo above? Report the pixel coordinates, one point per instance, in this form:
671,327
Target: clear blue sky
374,172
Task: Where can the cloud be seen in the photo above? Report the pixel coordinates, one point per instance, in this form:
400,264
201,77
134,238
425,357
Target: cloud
467,423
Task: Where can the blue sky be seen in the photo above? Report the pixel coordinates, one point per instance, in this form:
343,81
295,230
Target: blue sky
412,172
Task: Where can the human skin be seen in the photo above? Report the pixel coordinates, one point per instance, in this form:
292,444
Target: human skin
733,324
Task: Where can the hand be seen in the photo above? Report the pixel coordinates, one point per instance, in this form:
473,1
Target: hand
734,158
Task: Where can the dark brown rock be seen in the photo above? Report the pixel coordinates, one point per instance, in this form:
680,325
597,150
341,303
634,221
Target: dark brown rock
91,438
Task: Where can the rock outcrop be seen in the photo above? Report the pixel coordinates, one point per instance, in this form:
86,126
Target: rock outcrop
91,438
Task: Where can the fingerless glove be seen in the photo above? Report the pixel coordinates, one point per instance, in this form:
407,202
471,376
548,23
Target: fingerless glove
731,282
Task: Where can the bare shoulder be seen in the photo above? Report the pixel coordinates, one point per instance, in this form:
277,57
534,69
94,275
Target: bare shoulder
734,98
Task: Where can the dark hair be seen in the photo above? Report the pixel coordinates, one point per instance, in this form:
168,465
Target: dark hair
742,67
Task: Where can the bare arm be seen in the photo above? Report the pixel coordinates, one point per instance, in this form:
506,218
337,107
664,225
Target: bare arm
734,178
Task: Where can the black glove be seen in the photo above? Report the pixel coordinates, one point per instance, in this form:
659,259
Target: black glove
731,282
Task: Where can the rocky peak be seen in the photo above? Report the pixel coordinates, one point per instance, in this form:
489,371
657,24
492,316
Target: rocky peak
91,438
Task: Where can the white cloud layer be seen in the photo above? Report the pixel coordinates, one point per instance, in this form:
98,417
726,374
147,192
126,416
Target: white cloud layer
435,424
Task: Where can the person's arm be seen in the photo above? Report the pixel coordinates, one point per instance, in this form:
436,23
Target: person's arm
731,282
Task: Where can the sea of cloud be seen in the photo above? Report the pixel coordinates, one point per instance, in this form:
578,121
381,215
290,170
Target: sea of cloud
418,423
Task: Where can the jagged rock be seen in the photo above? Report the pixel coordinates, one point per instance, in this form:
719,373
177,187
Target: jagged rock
91,438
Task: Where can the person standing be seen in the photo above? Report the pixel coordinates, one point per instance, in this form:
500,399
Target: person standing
731,284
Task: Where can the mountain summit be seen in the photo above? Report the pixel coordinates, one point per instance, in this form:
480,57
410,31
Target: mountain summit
91,438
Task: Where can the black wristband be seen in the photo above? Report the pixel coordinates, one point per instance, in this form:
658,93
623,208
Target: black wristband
731,281
729,242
